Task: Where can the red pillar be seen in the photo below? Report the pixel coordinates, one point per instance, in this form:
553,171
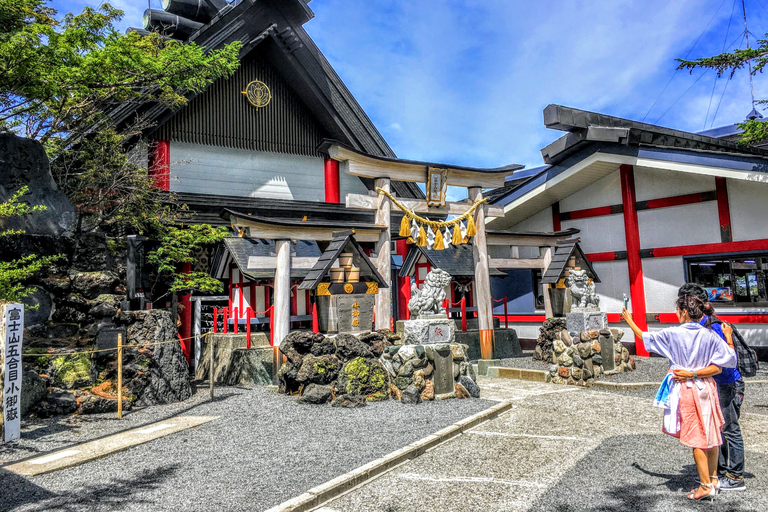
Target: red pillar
634,263
160,164
332,189
185,315
403,285
723,210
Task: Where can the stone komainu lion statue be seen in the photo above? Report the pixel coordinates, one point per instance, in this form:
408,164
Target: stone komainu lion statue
581,289
431,295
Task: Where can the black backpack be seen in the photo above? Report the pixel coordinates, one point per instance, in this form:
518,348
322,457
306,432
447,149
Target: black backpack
747,357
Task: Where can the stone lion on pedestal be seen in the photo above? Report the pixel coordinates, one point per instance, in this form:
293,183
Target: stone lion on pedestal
432,294
582,291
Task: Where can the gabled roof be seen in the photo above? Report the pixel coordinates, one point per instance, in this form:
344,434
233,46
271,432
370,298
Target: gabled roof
275,27
457,260
597,145
343,241
563,253
239,249
585,127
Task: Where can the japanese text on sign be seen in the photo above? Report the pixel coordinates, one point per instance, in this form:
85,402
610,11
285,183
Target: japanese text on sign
355,314
12,335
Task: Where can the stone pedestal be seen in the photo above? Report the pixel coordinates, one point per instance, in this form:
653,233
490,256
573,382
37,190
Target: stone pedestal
443,379
586,320
437,329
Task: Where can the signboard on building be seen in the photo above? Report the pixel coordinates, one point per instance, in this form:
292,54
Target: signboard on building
11,334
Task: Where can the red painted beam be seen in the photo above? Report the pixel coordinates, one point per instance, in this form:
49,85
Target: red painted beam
556,217
692,250
332,187
634,263
666,202
159,165
586,213
606,256
723,210
523,318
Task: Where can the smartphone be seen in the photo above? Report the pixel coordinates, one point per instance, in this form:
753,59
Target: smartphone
626,301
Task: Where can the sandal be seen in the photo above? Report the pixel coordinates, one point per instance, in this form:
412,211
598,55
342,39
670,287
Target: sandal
716,481
710,495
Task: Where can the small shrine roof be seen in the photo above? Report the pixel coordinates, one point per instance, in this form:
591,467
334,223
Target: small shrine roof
563,253
253,257
343,241
457,260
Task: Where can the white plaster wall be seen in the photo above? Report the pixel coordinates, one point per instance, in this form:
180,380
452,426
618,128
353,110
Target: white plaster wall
599,234
687,224
658,183
604,192
238,172
748,201
614,283
662,277
538,222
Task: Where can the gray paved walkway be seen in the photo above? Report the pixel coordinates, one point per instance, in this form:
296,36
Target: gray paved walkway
559,449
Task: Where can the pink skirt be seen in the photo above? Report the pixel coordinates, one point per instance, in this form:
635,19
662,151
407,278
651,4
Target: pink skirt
701,419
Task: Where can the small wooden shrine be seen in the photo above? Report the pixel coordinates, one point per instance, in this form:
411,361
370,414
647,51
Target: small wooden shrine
346,283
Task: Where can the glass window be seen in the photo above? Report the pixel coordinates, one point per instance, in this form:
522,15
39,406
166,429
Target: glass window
731,279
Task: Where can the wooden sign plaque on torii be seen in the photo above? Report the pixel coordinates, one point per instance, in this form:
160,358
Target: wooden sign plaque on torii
382,170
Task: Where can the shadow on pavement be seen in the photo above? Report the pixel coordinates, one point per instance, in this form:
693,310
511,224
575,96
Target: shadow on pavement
650,472
114,494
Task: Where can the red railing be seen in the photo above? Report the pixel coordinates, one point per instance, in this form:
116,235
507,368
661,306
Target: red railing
463,303
506,317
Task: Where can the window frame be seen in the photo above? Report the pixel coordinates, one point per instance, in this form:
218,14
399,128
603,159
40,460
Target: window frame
688,260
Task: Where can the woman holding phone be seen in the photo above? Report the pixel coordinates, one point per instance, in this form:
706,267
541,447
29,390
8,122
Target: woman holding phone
689,393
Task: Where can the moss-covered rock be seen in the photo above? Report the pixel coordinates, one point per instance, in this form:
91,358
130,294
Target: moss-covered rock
71,372
364,377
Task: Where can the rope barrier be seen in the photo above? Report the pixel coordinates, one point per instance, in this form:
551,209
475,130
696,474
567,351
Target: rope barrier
136,345
431,223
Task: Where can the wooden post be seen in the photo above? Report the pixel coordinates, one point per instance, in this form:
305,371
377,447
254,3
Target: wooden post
384,257
447,306
119,375
210,367
547,257
225,318
282,313
482,279
464,314
215,318
315,322
236,318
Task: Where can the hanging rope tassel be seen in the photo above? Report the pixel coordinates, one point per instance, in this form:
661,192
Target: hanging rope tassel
471,230
439,246
405,226
457,238
421,240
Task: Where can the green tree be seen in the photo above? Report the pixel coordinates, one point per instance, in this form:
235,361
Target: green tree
14,273
59,79
179,245
729,62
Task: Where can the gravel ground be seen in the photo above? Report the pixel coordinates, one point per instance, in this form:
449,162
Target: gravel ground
263,449
653,369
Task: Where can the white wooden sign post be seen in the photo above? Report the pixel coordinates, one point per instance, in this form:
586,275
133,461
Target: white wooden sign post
11,335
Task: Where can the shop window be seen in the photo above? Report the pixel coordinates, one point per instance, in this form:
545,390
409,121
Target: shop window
731,279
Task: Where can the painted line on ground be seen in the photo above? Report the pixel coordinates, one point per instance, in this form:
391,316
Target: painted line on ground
99,448
317,496
470,479
504,434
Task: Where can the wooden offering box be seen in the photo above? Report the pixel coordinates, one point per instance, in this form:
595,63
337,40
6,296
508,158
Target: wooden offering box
344,307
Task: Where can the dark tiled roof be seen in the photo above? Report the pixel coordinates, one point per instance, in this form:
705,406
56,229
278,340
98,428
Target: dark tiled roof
342,242
241,248
563,253
457,260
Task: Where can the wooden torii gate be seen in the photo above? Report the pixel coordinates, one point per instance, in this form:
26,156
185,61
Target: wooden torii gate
382,170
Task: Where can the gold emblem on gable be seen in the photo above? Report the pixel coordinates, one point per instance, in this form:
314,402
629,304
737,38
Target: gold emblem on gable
348,288
258,94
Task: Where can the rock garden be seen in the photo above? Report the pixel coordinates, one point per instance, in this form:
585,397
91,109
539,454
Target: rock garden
349,371
580,358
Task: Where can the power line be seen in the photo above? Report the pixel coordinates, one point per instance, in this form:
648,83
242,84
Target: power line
725,41
686,56
681,96
722,95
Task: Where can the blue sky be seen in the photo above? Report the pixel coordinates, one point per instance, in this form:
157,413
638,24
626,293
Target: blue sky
465,81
